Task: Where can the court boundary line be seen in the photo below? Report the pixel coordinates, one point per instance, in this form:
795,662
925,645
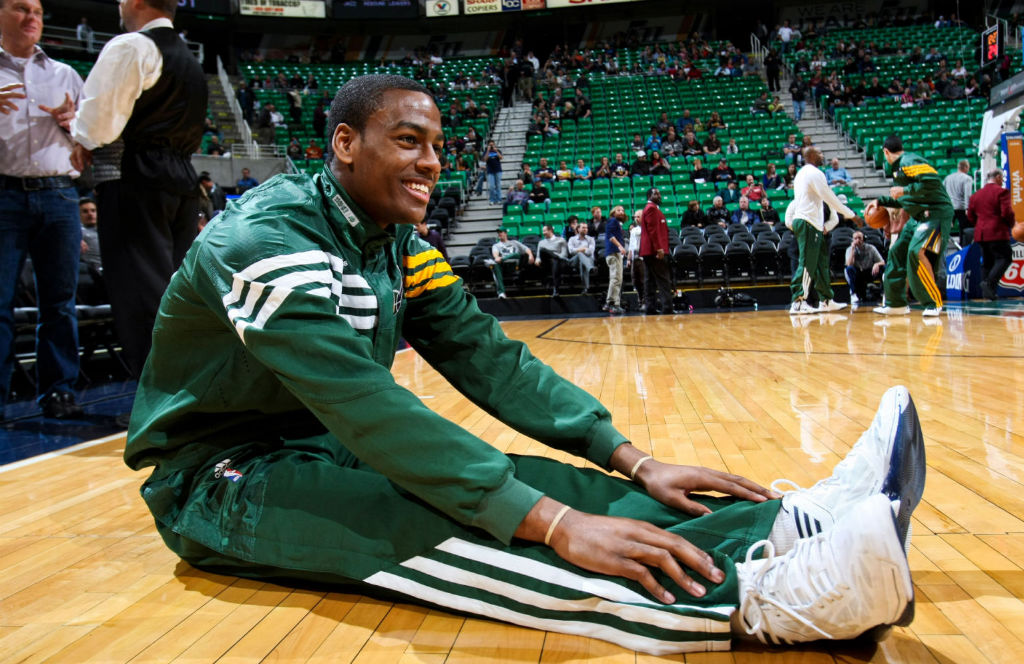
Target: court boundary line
543,336
14,465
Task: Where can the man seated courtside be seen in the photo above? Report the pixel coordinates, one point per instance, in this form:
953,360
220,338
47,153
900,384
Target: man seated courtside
283,448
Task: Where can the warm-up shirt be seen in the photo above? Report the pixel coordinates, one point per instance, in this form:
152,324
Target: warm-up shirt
286,313
810,190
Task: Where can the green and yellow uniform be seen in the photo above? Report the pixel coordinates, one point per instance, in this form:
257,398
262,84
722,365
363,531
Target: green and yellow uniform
283,448
931,218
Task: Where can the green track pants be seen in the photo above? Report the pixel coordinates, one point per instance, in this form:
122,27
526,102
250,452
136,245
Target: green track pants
313,515
903,267
812,265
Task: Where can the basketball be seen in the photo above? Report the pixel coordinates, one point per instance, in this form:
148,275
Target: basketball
877,217
1018,231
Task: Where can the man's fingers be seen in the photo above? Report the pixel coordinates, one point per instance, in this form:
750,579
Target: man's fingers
639,573
667,562
9,89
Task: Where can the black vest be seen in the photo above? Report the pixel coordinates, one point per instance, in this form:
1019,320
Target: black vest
166,125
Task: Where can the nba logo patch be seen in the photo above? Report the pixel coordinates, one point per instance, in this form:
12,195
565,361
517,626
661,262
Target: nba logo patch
221,470
231,474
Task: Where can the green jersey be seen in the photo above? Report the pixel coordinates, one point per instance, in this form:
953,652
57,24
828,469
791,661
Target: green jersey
922,185
282,323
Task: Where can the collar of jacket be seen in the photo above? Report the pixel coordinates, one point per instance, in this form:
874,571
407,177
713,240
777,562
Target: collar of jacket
351,219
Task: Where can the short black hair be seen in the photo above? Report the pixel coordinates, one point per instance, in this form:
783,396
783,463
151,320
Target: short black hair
81,201
893,143
571,219
205,177
360,98
649,192
549,227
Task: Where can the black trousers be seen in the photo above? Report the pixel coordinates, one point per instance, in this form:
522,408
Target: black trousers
557,263
144,234
997,256
658,283
961,218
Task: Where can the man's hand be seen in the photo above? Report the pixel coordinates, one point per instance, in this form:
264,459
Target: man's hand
671,485
62,114
661,254
7,94
896,192
629,548
80,157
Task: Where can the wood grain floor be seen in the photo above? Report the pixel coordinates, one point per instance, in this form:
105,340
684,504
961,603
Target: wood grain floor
85,578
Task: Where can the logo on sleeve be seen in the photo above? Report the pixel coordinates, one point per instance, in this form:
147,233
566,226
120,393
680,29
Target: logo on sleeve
221,470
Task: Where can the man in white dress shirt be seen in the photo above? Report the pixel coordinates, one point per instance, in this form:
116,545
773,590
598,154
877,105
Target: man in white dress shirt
38,204
147,90
805,216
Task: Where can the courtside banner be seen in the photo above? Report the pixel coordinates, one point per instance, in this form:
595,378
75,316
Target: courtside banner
482,6
511,5
442,8
533,4
1012,282
553,4
1013,149
289,8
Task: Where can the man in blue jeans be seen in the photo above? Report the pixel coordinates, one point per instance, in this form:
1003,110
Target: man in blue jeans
492,159
38,204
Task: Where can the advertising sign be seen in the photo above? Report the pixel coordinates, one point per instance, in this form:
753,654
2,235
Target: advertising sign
437,8
288,8
482,6
1011,284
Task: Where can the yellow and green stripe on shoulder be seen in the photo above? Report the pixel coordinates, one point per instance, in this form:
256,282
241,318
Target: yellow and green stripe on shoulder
917,170
425,271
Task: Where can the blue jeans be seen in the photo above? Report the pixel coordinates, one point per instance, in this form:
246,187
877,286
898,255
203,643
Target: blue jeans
798,109
43,225
494,186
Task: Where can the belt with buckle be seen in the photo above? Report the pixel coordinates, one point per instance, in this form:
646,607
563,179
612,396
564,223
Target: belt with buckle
35,184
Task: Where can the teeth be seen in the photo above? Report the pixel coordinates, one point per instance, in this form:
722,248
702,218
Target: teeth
418,187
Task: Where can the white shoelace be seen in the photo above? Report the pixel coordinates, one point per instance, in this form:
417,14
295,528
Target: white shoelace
754,596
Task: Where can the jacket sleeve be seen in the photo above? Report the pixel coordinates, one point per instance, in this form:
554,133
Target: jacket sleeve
972,211
1006,213
284,307
469,348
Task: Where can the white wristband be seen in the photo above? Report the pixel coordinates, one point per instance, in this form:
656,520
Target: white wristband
636,466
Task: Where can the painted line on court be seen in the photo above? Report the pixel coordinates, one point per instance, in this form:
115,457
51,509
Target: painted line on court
14,465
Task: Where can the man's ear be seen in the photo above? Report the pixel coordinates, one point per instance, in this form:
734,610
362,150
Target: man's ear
343,143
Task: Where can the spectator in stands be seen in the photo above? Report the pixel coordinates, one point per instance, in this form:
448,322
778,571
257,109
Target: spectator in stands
769,215
723,174
799,91
431,237
684,122
295,151
314,151
246,100
731,147
544,173
790,175
772,67
715,122
694,216
564,173
754,190
640,165
311,83
791,150
90,238
863,265
246,182
771,179
85,35
744,215
620,169
636,265
960,185
265,126
959,71
637,144
516,196
581,254
699,174
990,212
319,121
730,193
785,33
210,128
596,223
215,149
581,171
837,176
571,224
653,141
933,55
718,213
211,198
526,174
553,250
473,141
760,104
294,98
507,252
540,195
659,165
604,169
672,145
492,168
691,146
712,146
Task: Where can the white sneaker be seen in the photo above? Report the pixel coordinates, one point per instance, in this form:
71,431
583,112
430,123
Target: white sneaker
892,311
501,296
932,311
827,306
854,300
837,585
889,458
801,307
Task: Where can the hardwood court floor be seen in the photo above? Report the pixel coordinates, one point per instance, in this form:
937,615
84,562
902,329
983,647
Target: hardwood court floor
84,577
